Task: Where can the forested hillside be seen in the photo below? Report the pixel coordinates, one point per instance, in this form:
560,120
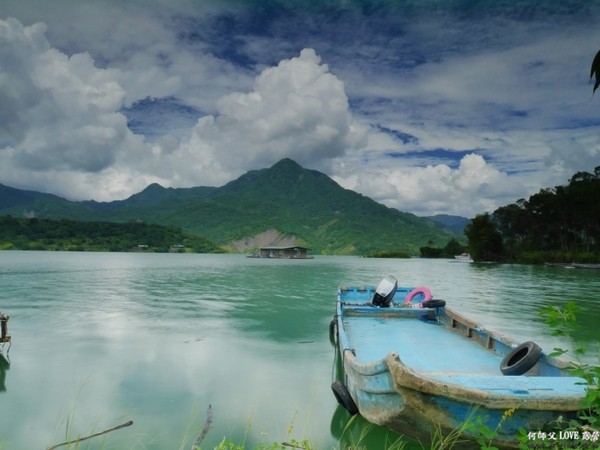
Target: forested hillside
46,234
556,224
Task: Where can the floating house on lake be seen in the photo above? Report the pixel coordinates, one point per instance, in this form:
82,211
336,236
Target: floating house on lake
295,252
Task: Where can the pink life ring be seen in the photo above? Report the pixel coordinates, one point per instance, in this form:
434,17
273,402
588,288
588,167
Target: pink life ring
417,291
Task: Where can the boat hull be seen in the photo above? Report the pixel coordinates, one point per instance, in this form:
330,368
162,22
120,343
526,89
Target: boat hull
416,387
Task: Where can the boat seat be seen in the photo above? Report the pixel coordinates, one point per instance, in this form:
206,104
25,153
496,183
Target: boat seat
524,385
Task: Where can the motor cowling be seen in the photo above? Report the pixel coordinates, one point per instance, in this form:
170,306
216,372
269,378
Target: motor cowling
384,293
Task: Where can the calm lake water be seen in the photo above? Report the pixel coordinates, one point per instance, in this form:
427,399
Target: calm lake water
103,338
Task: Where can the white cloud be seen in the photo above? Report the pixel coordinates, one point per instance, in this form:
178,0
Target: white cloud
54,96
297,109
574,152
69,132
65,133
472,188
513,91
145,40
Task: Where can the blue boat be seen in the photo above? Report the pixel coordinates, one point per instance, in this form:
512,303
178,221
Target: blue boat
411,364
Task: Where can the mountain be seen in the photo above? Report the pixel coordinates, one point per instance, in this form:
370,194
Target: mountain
21,203
153,195
455,224
286,203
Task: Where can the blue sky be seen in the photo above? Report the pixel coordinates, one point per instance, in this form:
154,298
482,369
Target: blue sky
454,106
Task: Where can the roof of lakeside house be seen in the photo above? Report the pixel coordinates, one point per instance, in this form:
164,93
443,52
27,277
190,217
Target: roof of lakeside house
284,248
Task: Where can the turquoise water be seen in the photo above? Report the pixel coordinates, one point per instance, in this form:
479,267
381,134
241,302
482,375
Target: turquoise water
103,338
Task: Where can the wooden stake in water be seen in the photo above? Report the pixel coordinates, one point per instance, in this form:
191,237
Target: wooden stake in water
123,425
205,429
4,336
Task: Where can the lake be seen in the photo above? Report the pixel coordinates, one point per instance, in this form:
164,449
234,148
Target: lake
103,338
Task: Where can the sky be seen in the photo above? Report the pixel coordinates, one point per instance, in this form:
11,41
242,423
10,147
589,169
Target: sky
431,107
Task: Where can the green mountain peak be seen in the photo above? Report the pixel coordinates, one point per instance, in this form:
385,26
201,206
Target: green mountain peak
287,164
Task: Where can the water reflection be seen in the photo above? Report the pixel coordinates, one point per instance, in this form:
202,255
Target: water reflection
106,338
4,366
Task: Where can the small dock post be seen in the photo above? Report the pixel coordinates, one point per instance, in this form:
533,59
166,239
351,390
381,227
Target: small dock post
4,336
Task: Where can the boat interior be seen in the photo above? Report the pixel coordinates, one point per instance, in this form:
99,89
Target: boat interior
444,346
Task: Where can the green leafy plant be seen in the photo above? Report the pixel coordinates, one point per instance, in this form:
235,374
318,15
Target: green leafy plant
484,433
563,322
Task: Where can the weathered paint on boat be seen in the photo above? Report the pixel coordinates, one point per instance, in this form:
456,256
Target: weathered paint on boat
411,369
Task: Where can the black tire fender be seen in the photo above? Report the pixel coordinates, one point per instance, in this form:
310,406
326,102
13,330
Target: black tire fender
434,303
521,359
343,397
332,326
333,330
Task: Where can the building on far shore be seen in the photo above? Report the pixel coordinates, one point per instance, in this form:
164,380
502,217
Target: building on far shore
295,252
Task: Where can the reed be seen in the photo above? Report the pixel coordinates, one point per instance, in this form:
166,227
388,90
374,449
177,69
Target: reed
356,440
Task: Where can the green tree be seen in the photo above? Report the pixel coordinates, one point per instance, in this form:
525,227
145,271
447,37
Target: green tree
453,247
485,241
583,209
595,70
512,224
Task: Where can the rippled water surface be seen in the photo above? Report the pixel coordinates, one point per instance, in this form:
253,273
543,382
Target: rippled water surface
103,338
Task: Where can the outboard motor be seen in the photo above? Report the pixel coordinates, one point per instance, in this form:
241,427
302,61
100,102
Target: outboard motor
384,293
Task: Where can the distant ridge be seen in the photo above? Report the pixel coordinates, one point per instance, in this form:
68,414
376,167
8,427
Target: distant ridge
456,224
25,203
285,200
153,194
12,197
